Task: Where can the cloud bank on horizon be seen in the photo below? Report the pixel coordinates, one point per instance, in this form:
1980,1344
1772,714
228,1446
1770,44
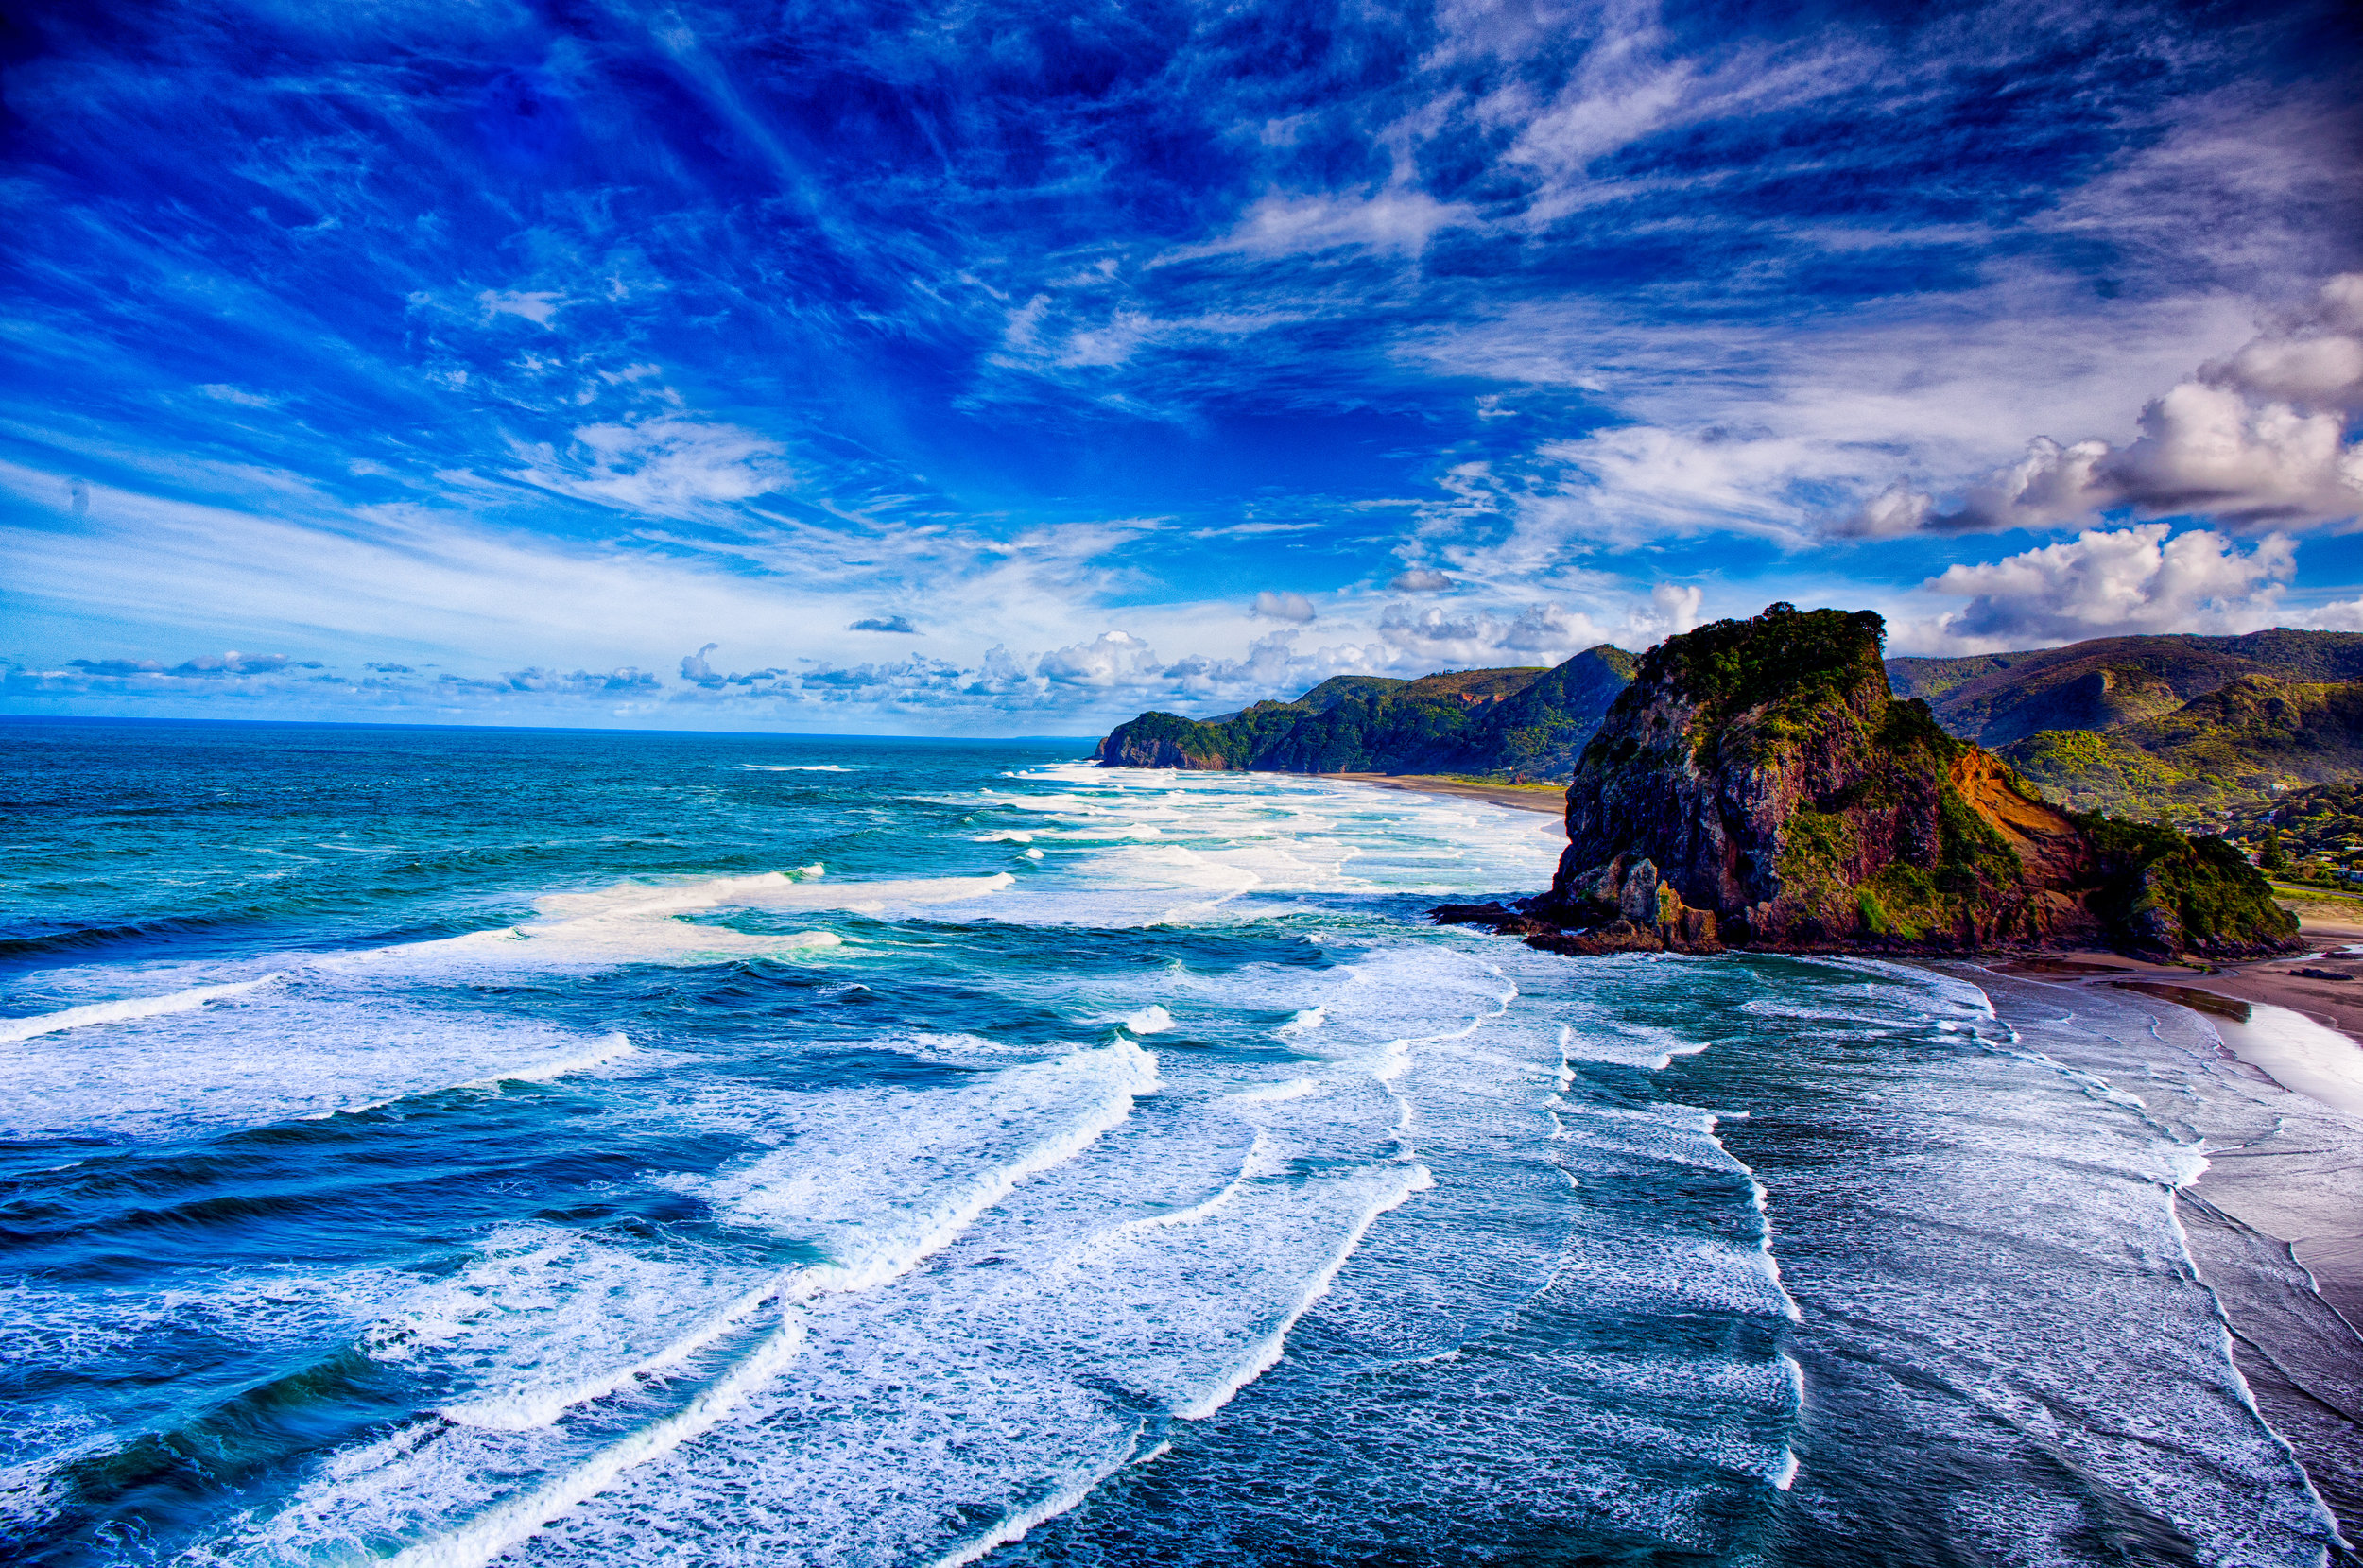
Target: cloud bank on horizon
1014,368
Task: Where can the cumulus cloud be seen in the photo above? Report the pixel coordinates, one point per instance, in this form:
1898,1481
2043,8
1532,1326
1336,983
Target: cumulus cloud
2115,581
1673,609
2313,361
205,667
2259,437
1896,511
1419,579
1537,634
1283,607
704,677
626,680
884,623
1111,659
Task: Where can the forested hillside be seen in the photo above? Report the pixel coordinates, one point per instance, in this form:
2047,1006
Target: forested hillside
1508,723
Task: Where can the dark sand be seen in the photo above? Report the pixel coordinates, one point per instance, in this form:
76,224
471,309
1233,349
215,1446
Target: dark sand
2275,1224
1549,799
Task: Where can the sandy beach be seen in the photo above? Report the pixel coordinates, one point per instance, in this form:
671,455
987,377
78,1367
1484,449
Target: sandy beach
2275,1223
1550,800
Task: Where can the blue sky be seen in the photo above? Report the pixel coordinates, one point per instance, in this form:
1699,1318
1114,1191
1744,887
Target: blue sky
1010,369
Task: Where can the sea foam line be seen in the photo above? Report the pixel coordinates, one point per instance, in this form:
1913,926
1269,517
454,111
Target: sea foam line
1758,1199
135,1006
525,1411
503,1526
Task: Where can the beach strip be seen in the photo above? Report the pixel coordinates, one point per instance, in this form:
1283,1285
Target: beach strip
1548,799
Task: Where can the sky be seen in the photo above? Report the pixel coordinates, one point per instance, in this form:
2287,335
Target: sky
1002,368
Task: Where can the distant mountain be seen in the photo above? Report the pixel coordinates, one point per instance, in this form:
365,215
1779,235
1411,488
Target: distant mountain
2249,739
1507,723
2182,729
1994,699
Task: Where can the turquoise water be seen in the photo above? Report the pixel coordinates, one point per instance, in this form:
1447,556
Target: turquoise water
449,1147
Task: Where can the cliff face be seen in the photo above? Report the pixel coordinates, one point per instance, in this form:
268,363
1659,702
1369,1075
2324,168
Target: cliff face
1515,721
1758,783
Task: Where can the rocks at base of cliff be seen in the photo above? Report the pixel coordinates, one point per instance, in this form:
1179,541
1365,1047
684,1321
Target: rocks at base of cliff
1637,913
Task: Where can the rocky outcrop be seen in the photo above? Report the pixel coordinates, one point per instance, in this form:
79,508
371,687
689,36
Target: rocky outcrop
1758,785
1158,740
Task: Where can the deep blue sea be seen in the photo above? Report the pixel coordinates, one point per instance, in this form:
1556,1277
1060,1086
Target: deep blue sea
440,1147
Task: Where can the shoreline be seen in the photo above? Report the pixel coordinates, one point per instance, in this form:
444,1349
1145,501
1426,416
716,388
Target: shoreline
2269,1223
1548,799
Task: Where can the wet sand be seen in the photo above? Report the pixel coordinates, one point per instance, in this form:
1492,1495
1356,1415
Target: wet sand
2274,1225
1549,799
2284,1028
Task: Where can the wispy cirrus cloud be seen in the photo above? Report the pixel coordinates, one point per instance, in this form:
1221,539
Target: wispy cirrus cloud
530,346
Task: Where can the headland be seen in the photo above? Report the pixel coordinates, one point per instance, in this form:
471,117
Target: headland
1758,785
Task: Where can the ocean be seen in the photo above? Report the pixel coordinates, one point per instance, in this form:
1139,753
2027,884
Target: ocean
457,1146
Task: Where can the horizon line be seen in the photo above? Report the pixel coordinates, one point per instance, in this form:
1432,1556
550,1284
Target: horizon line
537,729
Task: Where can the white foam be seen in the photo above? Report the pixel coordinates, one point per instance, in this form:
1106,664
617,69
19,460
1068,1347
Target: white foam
505,1524
293,1052
765,890
14,1029
1152,1019
879,1191
607,1050
878,1181
1016,1525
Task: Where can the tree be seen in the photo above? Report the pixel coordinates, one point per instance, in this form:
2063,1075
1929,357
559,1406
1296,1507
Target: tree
2273,858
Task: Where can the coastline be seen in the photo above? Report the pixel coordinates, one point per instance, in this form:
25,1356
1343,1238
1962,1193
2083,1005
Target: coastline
1548,799
2271,1224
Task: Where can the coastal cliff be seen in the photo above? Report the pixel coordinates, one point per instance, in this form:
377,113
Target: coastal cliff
1758,784
1511,722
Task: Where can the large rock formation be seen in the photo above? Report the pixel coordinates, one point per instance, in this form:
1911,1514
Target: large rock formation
1757,784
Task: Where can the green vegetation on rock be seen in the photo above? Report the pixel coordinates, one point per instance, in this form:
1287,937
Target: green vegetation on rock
1761,778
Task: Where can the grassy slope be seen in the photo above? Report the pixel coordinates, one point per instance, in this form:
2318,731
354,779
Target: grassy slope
2185,729
2231,747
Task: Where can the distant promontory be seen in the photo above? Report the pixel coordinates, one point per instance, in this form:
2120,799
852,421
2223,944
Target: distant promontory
1506,723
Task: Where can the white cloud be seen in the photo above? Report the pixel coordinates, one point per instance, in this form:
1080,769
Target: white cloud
1111,659
2324,372
1419,579
1269,606
1896,511
2208,449
1400,218
2112,582
1673,609
665,466
1537,634
2260,436
538,307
